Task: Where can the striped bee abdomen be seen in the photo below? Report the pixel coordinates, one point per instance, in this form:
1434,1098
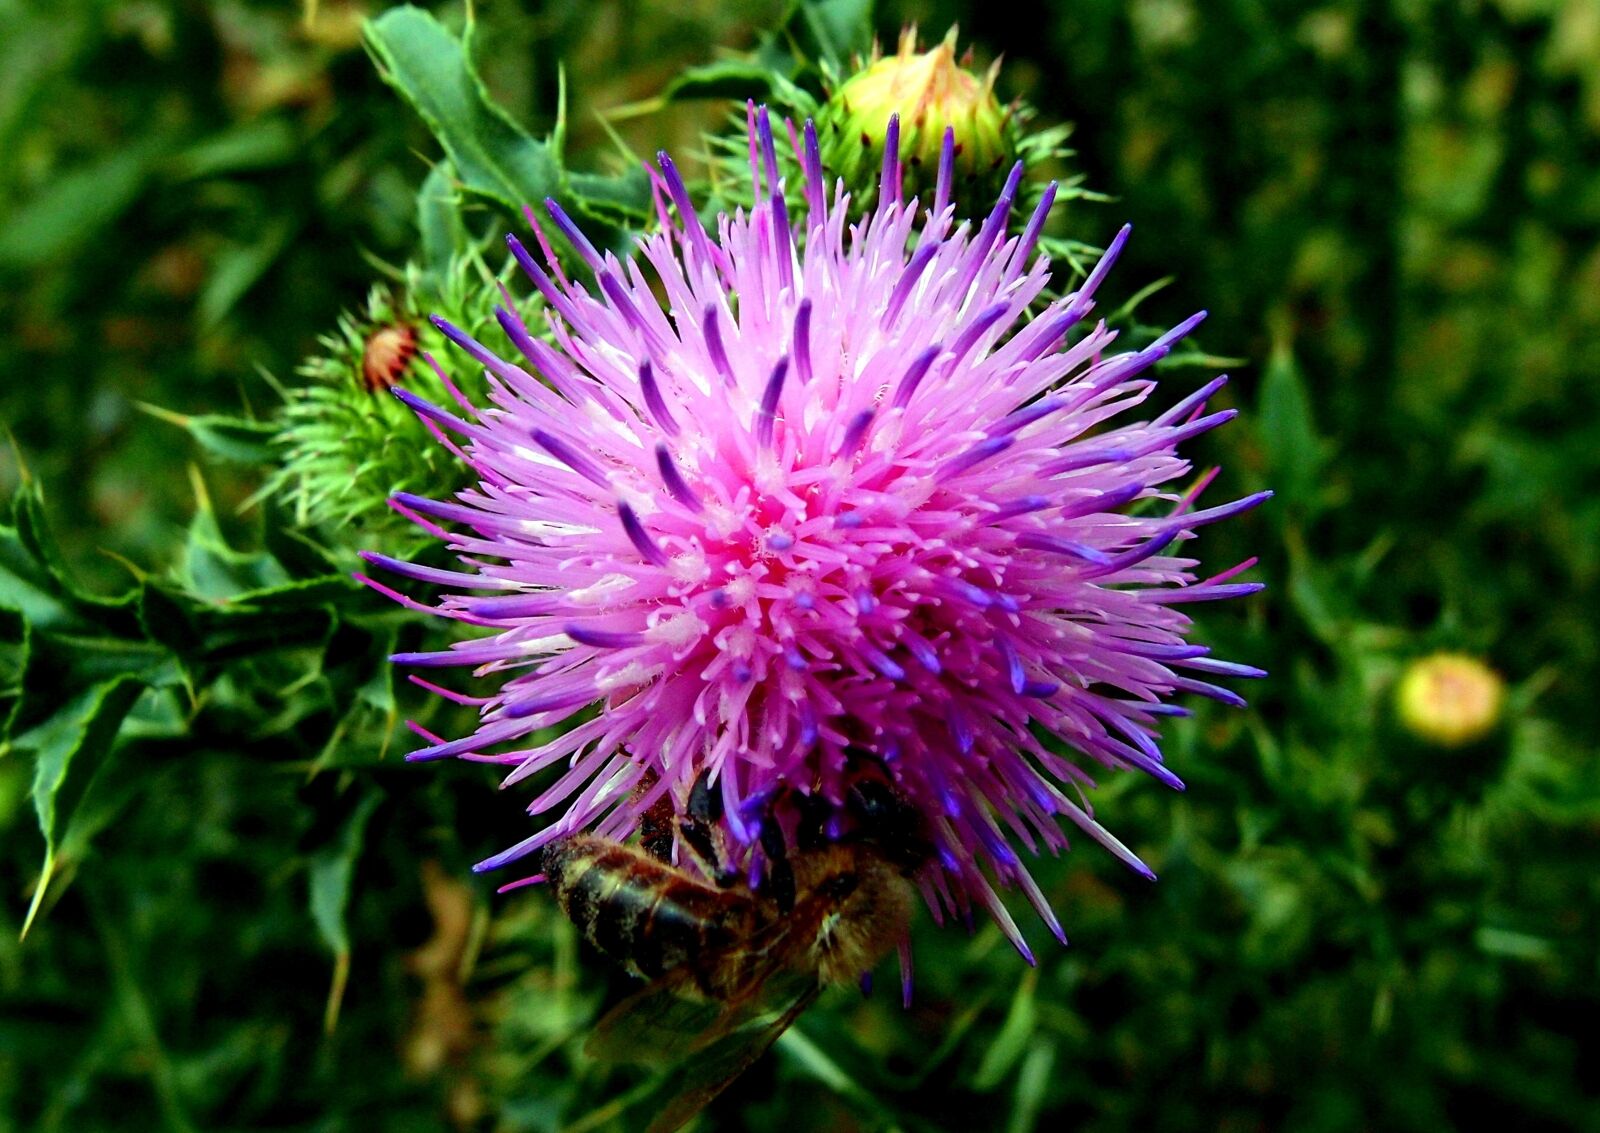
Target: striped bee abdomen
648,915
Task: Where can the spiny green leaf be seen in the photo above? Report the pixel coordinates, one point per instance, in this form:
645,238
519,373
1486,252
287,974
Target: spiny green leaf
620,200
62,765
74,207
231,438
1016,1034
356,666
239,267
234,438
737,79
493,156
294,614
444,238
61,666
14,648
1033,1082
815,1063
331,871
832,31
259,144
34,579
330,874
1295,451
27,586
212,569
68,750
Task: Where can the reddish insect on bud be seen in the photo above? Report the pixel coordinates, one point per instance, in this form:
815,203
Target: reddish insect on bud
386,356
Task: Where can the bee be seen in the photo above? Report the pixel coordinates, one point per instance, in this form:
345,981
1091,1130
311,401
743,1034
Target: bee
731,966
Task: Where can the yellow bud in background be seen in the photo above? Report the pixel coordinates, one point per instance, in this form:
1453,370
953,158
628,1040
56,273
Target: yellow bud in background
930,91
1449,699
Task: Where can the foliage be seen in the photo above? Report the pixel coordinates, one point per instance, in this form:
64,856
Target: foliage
243,911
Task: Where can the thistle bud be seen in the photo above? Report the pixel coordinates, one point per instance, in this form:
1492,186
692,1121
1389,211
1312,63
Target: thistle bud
1449,699
930,91
347,443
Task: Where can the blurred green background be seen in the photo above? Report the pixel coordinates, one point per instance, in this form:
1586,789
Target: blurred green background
1391,209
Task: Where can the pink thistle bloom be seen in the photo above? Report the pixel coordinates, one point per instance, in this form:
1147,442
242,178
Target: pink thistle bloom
818,497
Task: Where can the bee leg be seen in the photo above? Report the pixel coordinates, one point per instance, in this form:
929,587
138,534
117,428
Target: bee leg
696,830
780,873
889,823
698,840
780,882
655,827
810,832
705,804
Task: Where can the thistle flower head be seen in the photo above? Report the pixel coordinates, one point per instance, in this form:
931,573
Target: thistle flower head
821,503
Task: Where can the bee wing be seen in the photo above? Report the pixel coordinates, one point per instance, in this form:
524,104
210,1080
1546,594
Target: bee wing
707,1042
655,1024
671,1018
718,1062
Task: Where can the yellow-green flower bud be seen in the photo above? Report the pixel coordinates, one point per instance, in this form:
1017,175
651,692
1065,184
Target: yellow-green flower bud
1449,699
930,91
